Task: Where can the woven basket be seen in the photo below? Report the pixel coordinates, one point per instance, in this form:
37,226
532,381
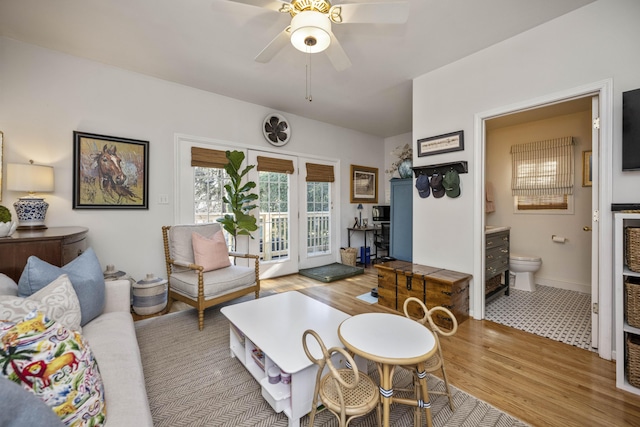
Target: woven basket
348,256
633,360
632,301
493,283
632,248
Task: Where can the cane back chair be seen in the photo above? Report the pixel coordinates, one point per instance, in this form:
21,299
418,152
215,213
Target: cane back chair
189,283
346,392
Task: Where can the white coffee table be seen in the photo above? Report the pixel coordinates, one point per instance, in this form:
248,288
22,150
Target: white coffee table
275,325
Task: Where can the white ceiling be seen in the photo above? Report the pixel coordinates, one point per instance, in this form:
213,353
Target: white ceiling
210,45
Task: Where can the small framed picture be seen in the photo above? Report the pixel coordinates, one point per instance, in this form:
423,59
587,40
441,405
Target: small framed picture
110,172
364,184
446,143
587,169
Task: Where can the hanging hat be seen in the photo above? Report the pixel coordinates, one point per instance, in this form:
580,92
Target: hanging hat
436,185
422,184
451,183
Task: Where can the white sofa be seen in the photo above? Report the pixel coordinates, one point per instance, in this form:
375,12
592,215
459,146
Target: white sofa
112,338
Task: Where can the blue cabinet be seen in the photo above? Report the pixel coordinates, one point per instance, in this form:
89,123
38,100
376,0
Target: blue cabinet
401,235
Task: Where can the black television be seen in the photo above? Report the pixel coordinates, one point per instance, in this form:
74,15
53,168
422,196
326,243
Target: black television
631,130
381,213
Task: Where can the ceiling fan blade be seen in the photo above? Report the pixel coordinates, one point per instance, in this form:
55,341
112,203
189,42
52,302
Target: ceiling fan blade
275,46
370,13
275,5
337,55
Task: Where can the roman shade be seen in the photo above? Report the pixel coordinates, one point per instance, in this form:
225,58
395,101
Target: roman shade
270,164
543,168
319,173
207,158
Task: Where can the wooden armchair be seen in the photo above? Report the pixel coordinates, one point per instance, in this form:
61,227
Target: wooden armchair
191,284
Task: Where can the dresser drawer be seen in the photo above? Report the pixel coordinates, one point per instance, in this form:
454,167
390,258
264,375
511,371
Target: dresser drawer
73,249
497,239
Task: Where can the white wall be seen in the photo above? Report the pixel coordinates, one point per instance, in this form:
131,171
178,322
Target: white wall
564,265
596,42
46,95
391,144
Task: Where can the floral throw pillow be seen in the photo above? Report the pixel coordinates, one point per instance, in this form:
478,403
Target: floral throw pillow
57,365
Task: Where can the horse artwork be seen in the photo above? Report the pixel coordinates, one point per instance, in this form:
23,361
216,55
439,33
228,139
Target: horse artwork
110,172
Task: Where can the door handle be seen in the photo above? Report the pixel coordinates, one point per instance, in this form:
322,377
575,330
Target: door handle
586,228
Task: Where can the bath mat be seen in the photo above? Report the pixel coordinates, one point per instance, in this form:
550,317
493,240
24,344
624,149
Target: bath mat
331,272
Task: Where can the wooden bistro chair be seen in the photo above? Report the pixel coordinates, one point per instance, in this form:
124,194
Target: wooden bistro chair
436,362
191,284
346,392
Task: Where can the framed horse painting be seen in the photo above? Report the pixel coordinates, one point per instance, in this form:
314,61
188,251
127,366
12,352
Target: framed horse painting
110,172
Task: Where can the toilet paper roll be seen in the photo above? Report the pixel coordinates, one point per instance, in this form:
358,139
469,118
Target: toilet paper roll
558,239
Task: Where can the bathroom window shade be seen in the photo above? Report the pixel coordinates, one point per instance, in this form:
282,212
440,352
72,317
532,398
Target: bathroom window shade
543,168
208,158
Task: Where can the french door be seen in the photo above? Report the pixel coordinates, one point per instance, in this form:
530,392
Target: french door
319,231
276,176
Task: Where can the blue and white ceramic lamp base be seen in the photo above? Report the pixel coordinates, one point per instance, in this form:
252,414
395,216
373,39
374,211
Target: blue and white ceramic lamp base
31,212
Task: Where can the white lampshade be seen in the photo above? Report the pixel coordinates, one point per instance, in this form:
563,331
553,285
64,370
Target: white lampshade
310,31
29,178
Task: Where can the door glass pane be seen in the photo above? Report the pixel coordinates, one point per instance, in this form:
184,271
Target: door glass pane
274,215
208,189
318,218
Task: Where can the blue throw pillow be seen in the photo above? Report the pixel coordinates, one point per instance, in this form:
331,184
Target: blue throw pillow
19,407
85,274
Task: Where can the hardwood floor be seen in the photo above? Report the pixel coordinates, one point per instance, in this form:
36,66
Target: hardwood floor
539,381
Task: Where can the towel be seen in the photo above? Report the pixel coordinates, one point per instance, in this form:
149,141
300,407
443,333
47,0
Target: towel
489,206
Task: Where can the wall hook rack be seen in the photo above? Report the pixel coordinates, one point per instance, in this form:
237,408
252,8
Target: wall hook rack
441,168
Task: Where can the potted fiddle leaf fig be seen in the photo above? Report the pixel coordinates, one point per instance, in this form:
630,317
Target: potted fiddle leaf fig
239,198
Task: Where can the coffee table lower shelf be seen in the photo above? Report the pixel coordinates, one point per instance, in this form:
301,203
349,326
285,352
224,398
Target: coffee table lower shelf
261,344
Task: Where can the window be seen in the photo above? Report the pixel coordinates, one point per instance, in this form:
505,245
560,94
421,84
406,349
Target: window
542,175
318,218
208,185
209,179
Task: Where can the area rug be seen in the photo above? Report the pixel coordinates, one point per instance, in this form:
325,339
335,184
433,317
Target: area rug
559,314
331,272
192,380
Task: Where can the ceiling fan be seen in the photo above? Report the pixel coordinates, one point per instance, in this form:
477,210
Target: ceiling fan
310,29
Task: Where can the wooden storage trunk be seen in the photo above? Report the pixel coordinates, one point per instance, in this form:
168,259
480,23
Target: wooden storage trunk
399,280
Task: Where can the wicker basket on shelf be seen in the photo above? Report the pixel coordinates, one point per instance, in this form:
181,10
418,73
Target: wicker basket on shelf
632,301
633,360
493,284
632,248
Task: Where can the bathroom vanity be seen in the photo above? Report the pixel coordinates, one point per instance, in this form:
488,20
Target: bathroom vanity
496,260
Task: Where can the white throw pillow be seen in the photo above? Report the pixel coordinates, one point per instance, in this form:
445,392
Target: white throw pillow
57,300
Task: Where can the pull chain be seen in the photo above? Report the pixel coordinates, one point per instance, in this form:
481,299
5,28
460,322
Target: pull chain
308,77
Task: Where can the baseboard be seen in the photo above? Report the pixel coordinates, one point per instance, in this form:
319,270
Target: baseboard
578,287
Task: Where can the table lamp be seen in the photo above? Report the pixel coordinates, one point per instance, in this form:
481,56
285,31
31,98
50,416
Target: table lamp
360,211
32,179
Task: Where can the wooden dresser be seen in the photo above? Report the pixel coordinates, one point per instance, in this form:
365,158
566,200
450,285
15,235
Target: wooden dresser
55,245
496,262
399,280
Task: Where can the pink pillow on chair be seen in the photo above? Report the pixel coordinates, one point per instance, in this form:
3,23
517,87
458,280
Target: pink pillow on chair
211,253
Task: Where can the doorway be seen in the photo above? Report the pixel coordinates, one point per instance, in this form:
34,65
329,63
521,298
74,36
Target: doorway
600,224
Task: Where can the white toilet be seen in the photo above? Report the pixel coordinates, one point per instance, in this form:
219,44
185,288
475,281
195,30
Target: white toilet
524,268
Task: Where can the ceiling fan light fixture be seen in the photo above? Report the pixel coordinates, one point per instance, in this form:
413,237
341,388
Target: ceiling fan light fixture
310,31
